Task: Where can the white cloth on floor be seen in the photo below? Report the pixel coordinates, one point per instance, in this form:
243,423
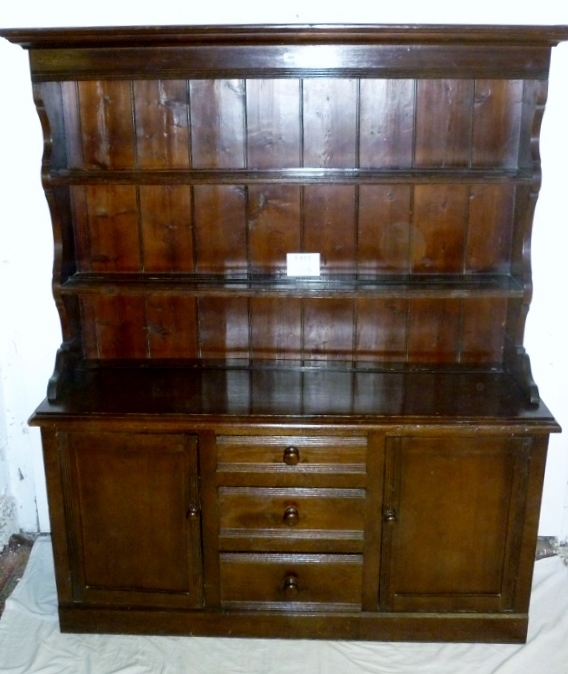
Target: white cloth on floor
30,642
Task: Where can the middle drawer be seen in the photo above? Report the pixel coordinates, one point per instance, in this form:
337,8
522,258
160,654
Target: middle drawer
256,518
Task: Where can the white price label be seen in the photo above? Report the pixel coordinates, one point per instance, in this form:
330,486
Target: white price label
303,264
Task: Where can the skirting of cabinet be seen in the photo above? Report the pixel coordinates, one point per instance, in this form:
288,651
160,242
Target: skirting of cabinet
456,627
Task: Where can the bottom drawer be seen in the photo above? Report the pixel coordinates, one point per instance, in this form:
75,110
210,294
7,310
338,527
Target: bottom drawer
291,582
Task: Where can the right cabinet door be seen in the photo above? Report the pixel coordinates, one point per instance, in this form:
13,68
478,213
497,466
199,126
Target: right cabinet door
453,516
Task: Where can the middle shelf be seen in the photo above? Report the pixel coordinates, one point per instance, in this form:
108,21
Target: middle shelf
400,286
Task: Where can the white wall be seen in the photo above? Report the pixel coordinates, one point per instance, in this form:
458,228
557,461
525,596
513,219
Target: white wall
29,330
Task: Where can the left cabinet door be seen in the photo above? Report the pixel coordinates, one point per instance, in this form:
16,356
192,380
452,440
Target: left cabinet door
133,518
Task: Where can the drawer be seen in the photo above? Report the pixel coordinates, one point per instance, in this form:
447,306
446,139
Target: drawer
291,454
291,582
291,519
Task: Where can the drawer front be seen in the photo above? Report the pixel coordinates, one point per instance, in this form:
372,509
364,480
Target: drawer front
291,582
294,514
291,454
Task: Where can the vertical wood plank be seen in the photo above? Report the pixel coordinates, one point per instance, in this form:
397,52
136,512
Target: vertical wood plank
375,460
497,120
80,219
276,327
89,328
383,241
112,221
439,228
483,330
223,327
72,124
273,123
106,124
328,329
165,222
433,331
386,123
381,330
490,231
220,228
172,326
161,116
443,122
330,225
120,324
218,123
274,225
330,122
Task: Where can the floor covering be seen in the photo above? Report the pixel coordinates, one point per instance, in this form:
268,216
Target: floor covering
30,641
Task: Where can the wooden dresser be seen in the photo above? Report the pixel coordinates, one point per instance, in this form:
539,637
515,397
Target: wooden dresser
242,438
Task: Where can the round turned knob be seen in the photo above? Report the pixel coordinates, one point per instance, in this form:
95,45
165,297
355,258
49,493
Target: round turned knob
291,516
193,512
290,586
291,456
390,516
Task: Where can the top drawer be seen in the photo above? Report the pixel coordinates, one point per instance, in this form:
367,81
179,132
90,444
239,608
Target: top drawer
293,456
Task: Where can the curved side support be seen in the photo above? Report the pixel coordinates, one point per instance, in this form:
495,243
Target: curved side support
66,360
518,364
517,361
48,102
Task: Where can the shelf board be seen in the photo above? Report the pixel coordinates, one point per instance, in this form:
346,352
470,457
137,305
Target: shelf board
276,285
297,176
288,392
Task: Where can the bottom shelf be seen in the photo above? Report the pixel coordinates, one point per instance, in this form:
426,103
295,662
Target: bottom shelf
288,391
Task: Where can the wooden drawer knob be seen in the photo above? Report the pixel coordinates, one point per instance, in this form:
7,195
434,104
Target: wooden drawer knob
192,512
390,516
291,516
291,456
290,586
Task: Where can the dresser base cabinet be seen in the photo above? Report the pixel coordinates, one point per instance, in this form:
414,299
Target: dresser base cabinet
292,268
424,535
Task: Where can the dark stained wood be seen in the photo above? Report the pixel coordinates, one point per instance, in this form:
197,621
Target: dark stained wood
276,328
443,122
232,451
105,110
320,582
171,325
330,225
220,228
218,123
490,228
387,123
166,228
497,122
459,495
119,527
161,115
274,109
106,226
384,228
439,211
329,120
274,225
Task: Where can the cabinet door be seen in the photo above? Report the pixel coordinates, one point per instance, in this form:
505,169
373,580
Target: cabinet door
452,522
133,506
